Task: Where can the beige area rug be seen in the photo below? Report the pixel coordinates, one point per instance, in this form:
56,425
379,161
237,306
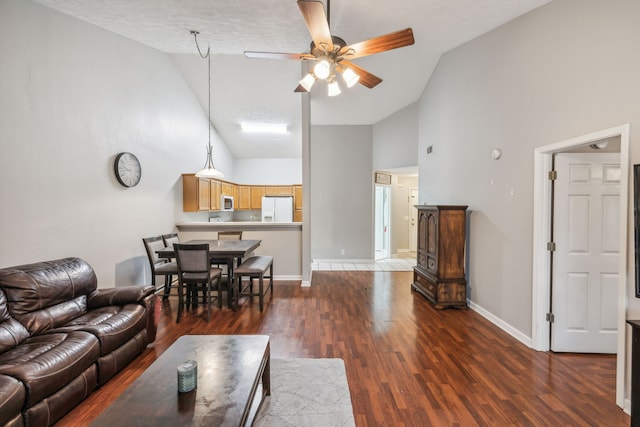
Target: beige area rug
307,392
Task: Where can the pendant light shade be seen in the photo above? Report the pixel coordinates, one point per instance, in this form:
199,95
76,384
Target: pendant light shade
209,171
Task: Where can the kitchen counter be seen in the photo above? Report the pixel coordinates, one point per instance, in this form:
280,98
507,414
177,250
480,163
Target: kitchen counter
238,225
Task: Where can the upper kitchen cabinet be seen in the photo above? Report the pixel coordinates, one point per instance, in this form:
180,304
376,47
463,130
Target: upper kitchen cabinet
257,193
297,203
278,190
243,201
216,192
196,193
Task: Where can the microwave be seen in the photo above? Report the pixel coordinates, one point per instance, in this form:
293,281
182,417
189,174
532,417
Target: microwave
226,203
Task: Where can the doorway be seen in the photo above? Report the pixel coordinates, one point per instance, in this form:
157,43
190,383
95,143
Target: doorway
382,218
542,226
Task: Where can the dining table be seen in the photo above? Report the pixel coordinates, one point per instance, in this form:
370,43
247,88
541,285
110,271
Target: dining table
233,251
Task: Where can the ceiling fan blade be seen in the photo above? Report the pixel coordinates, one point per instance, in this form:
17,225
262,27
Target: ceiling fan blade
316,20
300,88
276,55
366,78
379,44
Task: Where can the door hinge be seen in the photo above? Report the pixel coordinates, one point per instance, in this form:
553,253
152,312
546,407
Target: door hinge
550,317
553,175
551,246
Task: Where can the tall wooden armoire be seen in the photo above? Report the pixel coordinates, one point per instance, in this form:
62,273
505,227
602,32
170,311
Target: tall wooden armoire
439,271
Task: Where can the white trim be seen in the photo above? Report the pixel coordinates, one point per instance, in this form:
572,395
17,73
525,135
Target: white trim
344,261
540,332
500,323
288,277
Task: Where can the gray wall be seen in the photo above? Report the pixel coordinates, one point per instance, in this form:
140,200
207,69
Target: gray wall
341,192
395,139
566,69
72,97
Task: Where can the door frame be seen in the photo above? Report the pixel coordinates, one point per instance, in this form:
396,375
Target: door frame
386,192
540,329
413,213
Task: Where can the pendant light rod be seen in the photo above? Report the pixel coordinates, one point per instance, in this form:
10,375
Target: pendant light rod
209,171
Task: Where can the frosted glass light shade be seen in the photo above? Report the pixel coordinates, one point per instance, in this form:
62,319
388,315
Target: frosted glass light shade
334,89
308,81
209,173
350,77
322,69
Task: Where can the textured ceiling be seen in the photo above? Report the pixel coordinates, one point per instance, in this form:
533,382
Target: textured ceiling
245,90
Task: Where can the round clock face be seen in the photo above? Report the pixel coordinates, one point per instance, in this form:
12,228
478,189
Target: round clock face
128,170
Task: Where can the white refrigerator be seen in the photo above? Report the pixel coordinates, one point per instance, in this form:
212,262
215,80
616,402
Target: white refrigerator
277,209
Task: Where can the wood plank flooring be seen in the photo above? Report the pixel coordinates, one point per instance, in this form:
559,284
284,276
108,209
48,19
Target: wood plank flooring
407,363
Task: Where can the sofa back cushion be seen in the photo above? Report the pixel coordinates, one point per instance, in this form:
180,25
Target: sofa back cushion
48,294
12,332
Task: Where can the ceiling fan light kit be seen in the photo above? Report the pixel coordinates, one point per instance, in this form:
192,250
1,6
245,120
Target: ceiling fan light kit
332,54
333,89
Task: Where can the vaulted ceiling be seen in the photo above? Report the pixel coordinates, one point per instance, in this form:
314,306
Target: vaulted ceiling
262,90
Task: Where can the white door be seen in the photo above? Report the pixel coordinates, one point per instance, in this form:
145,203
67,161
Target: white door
413,223
585,262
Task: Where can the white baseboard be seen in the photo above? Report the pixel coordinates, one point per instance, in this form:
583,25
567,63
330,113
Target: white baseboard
289,277
343,261
501,324
403,250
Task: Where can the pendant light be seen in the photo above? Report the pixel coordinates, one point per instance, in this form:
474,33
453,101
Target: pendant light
209,171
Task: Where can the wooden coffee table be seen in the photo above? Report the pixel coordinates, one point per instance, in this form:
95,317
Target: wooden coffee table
231,371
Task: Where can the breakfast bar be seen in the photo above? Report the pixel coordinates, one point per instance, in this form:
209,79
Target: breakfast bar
283,241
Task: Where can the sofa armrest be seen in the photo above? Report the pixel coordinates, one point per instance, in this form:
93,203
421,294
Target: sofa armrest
118,296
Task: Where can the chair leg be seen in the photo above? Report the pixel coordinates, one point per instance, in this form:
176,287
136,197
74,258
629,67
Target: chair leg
260,294
209,302
180,301
167,285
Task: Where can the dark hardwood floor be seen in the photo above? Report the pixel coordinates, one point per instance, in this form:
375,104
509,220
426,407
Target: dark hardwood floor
407,363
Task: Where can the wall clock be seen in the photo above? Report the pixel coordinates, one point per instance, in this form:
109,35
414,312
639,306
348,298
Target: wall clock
127,169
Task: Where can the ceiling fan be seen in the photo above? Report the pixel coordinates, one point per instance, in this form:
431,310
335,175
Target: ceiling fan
332,55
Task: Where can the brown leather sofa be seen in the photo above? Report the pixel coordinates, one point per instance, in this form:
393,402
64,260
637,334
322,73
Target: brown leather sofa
61,337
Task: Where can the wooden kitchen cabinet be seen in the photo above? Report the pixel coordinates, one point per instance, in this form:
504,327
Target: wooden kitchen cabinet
439,272
243,201
277,190
196,193
256,197
216,192
226,188
297,203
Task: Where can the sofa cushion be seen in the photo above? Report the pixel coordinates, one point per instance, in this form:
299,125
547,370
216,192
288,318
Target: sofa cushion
12,332
112,325
37,286
46,363
58,287
12,396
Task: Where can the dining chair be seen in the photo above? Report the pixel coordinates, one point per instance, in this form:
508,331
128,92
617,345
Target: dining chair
222,263
194,268
160,266
170,239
